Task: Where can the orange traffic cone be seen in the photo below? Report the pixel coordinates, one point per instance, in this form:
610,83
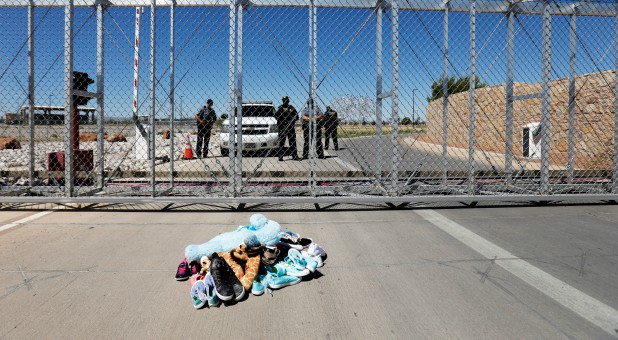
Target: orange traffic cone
188,149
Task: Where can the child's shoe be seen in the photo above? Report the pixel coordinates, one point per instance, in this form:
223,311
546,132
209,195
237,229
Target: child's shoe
282,281
198,294
211,294
316,253
259,284
194,268
182,273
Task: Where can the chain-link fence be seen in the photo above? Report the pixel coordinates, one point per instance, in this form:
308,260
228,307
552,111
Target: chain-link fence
314,100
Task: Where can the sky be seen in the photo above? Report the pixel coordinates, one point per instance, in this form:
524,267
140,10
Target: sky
276,55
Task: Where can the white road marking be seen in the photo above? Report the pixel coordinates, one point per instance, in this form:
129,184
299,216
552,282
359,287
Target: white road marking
25,220
341,162
589,308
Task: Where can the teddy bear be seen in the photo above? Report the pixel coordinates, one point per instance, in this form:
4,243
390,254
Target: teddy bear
265,231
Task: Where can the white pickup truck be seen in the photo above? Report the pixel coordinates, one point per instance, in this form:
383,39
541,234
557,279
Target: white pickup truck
259,129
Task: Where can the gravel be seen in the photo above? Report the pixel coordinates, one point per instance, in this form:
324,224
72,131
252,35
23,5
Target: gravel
118,156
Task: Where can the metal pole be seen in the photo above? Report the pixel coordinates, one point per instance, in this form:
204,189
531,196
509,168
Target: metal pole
471,92
445,96
615,173
172,92
68,99
545,100
312,113
151,139
239,94
31,87
378,163
510,66
100,93
572,70
138,13
232,94
395,94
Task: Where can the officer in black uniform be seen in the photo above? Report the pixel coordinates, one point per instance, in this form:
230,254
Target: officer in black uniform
287,116
205,120
331,122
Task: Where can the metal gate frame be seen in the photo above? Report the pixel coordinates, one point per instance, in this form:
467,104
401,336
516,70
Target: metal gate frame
546,8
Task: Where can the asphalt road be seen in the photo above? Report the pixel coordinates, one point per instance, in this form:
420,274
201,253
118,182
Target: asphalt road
363,153
474,273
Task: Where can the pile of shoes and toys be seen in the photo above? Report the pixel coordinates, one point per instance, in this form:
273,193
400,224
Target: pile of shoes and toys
254,258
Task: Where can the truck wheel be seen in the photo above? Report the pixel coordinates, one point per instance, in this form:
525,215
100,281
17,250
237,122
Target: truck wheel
225,152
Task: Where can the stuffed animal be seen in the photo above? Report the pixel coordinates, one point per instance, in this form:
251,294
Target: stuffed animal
261,231
245,262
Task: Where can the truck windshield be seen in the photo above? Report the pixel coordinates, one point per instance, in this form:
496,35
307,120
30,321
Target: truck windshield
258,111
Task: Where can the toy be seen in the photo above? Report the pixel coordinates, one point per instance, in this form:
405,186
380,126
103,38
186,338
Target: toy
261,231
245,262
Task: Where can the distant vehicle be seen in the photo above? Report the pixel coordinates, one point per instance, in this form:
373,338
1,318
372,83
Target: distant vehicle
259,128
45,115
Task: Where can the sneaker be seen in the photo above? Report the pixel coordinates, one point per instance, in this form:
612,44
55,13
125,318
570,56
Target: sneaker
293,240
319,263
289,269
259,284
312,264
300,262
315,249
296,259
194,268
198,294
182,274
210,291
316,253
222,276
276,270
276,282
239,289
195,277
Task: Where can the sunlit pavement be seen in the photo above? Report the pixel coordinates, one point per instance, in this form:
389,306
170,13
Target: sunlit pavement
389,273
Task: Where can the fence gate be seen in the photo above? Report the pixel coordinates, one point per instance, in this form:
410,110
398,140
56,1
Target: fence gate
389,101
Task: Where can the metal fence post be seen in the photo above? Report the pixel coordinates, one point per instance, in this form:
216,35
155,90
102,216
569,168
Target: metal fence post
445,95
471,141
172,89
151,140
312,112
137,42
232,95
100,94
615,172
510,66
572,70
545,99
68,99
239,36
378,159
31,89
395,94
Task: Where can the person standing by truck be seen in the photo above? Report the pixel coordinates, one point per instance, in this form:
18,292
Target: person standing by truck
205,120
287,116
331,122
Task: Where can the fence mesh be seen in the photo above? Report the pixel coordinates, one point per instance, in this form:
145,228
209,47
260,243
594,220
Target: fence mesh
315,99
